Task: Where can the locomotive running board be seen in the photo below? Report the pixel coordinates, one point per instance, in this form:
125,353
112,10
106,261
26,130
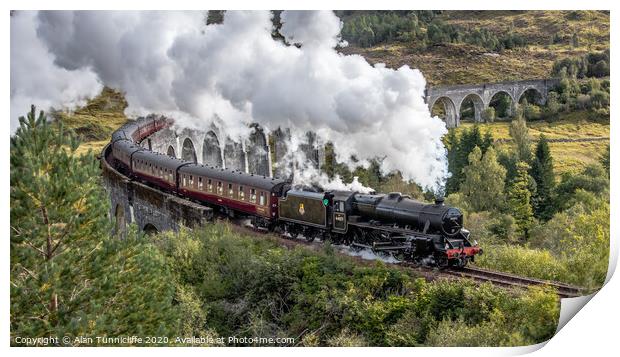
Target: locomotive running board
384,248
393,230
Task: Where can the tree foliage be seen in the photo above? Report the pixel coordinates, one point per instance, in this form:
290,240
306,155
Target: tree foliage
543,175
255,287
592,179
370,28
592,64
521,140
67,276
519,199
459,148
483,187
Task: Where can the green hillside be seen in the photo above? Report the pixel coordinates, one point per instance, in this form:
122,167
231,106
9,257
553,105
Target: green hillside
470,53
96,120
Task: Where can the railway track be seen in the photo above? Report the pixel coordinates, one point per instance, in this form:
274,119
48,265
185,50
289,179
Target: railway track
512,280
474,273
497,278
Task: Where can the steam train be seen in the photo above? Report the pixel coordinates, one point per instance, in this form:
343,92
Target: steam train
428,234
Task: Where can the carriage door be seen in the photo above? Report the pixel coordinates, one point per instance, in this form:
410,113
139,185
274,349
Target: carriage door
340,219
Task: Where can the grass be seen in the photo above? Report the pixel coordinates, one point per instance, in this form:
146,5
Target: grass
461,63
573,157
95,146
574,125
95,121
567,156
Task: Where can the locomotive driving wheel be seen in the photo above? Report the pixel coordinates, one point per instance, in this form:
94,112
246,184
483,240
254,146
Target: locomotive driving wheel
292,232
462,262
360,236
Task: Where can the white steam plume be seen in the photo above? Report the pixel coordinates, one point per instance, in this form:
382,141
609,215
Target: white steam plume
35,79
172,63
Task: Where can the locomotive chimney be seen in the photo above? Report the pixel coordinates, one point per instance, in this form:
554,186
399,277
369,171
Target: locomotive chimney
439,200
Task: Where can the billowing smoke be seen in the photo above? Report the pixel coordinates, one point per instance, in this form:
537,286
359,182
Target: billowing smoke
233,74
36,79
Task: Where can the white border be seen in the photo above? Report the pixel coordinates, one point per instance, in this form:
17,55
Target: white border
592,330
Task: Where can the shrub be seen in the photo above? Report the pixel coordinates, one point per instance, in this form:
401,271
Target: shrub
245,286
488,333
488,115
519,260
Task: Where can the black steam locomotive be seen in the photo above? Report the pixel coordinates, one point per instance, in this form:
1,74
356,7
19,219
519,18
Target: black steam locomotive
429,234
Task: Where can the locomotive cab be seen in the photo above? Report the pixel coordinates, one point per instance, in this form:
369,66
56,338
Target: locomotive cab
341,203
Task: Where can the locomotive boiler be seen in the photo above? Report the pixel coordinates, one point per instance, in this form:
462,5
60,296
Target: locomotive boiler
404,211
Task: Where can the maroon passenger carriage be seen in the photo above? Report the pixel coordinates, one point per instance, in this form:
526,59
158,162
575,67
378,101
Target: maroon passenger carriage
236,191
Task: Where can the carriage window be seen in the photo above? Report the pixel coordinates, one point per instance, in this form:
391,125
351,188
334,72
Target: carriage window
200,183
184,180
253,195
241,193
209,185
231,193
191,180
161,174
219,188
262,198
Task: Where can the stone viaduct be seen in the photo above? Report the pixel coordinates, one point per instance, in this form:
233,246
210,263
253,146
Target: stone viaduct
149,209
453,97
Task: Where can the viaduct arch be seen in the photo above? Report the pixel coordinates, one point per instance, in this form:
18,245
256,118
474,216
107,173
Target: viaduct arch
151,210
453,97
254,155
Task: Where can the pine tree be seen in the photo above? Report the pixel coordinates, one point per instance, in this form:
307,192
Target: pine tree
459,150
54,206
483,187
520,137
519,197
67,275
542,173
